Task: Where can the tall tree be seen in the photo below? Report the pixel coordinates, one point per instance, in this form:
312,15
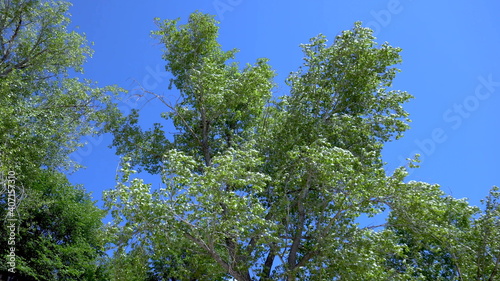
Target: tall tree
255,189
44,112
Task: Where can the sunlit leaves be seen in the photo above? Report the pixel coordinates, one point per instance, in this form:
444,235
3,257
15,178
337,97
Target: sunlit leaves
275,189
44,110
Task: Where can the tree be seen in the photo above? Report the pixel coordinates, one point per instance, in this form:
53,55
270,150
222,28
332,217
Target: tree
446,238
130,265
257,189
44,112
60,236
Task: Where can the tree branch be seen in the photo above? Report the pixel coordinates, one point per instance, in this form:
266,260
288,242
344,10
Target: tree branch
292,258
268,263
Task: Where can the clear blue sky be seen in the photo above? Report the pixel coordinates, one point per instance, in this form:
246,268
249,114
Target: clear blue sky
450,65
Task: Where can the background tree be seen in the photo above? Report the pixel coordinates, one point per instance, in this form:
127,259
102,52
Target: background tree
446,238
60,235
44,112
255,189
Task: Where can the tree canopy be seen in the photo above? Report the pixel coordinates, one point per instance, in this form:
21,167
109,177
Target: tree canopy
59,233
252,186
45,110
256,187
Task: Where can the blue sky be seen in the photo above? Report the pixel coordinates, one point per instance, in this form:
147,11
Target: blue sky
450,65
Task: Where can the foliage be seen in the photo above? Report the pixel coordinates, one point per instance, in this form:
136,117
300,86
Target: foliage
127,266
59,235
256,189
445,238
45,110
